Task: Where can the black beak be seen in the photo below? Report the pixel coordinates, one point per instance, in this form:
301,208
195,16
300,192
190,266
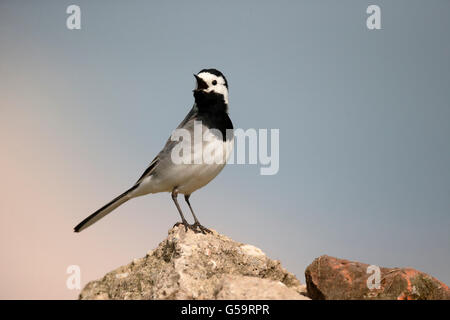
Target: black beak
201,85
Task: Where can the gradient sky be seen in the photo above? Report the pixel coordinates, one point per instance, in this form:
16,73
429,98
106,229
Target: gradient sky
364,121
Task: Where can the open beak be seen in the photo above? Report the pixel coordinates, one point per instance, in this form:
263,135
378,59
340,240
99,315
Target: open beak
201,85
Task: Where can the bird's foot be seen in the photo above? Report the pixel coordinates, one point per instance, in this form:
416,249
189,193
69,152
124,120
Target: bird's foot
184,223
197,227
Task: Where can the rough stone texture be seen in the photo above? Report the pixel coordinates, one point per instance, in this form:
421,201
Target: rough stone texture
243,287
332,278
187,265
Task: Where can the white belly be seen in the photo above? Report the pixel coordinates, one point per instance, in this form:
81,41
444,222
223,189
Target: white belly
189,177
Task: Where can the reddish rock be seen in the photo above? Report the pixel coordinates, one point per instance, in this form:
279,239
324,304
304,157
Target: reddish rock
329,278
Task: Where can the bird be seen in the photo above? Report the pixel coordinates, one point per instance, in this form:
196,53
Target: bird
209,114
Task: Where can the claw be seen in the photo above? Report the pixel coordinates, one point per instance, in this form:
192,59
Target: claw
184,223
196,227
202,228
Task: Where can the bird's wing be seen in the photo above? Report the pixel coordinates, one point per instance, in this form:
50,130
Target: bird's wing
149,170
168,146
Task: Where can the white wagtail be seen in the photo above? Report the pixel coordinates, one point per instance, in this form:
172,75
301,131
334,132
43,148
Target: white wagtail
163,174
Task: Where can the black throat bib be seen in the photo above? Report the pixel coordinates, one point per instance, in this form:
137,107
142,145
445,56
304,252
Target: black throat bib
212,111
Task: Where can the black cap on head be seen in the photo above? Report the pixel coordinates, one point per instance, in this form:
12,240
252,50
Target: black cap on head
216,73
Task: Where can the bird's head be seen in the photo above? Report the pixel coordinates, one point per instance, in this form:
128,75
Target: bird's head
211,81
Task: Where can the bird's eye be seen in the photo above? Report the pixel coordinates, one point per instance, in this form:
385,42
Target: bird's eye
214,82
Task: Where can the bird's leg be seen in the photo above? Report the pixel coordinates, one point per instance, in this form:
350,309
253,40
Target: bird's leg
196,223
183,220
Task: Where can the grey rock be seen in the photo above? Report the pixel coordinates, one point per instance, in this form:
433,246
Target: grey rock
251,288
188,265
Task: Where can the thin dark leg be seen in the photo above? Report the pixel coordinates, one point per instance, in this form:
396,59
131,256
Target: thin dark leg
196,223
186,198
183,220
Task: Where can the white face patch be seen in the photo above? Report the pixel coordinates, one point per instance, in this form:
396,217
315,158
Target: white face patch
219,87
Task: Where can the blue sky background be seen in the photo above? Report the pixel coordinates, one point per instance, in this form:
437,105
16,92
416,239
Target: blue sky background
364,121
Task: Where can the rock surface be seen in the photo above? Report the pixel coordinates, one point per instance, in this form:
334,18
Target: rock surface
332,278
187,265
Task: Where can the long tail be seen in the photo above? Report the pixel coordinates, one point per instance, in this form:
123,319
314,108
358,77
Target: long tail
103,211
